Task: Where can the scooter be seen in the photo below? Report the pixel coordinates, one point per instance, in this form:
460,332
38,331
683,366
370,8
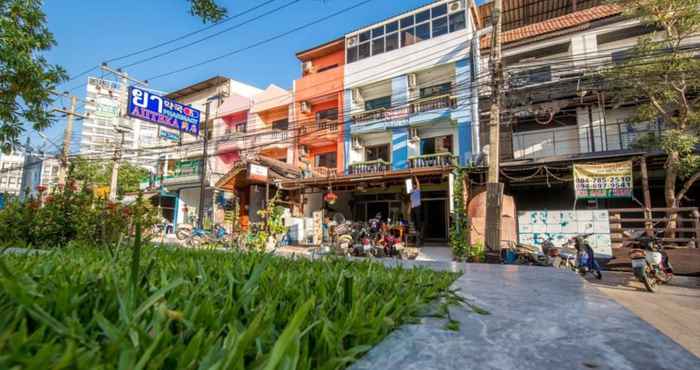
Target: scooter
582,255
648,262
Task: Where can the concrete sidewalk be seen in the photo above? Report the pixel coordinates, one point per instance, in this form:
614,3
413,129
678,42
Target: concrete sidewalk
539,318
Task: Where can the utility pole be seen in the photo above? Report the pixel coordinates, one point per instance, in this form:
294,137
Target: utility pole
67,135
203,168
494,189
124,107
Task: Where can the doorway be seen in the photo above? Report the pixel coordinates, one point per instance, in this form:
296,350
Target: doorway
377,207
435,219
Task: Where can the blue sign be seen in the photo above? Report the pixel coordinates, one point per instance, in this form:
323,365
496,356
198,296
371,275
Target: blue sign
163,111
169,135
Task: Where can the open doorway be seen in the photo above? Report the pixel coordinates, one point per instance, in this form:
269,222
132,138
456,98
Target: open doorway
435,219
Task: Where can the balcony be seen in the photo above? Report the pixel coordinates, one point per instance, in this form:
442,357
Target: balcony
375,166
433,103
368,116
432,160
271,137
185,172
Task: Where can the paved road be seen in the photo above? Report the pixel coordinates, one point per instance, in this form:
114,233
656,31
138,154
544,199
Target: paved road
539,318
674,309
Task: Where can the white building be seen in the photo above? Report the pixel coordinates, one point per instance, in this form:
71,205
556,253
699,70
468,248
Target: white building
99,138
39,169
11,173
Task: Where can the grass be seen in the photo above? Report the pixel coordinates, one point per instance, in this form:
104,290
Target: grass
80,308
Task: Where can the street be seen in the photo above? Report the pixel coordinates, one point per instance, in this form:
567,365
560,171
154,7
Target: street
673,309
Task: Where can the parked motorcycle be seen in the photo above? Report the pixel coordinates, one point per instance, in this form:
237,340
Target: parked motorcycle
648,262
584,251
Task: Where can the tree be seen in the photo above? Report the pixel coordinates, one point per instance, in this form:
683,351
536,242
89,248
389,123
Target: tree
99,173
27,79
662,79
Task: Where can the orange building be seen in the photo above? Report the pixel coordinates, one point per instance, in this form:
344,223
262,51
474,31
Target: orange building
318,110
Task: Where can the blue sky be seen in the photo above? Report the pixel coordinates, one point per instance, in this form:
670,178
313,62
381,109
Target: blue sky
89,32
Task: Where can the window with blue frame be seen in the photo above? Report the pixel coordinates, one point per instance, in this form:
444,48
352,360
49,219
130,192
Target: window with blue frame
378,103
436,145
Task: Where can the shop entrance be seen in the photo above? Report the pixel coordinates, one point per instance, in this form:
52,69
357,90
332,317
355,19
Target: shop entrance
435,219
377,207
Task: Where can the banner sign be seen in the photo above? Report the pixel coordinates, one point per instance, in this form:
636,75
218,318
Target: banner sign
106,108
163,111
257,173
607,180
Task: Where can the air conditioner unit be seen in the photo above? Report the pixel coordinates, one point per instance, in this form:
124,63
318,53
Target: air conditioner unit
307,66
305,107
357,144
351,41
455,6
356,96
413,135
412,81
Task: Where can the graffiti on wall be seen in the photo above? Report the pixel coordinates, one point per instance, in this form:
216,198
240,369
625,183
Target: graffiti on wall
534,227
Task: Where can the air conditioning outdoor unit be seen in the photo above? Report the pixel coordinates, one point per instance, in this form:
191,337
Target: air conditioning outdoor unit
357,144
351,41
455,6
412,81
307,66
305,107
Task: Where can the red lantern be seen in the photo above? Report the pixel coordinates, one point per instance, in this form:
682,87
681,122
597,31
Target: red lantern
330,197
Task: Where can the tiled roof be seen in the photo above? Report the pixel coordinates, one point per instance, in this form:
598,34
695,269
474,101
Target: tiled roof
555,24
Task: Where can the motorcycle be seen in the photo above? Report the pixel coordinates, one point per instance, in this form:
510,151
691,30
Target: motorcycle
648,262
582,264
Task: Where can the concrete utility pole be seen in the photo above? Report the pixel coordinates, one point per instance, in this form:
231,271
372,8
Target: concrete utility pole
494,189
122,129
205,160
67,135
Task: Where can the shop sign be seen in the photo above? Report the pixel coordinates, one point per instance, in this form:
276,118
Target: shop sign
106,108
150,107
257,173
409,186
606,180
169,135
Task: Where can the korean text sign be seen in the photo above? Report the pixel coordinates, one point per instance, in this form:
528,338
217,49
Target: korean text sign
163,111
606,180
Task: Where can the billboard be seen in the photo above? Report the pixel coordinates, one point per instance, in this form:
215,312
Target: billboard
606,180
150,107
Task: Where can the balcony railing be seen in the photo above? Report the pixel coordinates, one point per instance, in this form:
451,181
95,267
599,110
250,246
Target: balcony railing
432,160
378,165
320,125
271,136
433,103
415,106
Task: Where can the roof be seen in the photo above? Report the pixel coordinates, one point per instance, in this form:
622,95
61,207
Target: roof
322,50
563,22
520,13
198,87
278,170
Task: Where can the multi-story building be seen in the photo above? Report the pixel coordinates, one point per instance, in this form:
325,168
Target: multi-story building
269,120
407,108
11,166
99,136
182,162
39,169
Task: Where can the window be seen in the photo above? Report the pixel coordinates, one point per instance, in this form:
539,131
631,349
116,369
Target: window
439,26
327,115
407,31
423,16
282,124
377,46
240,127
364,51
408,37
392,42
373,153
422,32
457,22
435,145
327,160
436,90
383,102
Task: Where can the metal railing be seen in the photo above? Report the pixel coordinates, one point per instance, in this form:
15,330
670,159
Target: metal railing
272,135
432,160
320,125
414,106
374,166
612,136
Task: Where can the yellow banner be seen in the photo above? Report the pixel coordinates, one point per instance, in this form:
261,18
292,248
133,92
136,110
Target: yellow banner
605,180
